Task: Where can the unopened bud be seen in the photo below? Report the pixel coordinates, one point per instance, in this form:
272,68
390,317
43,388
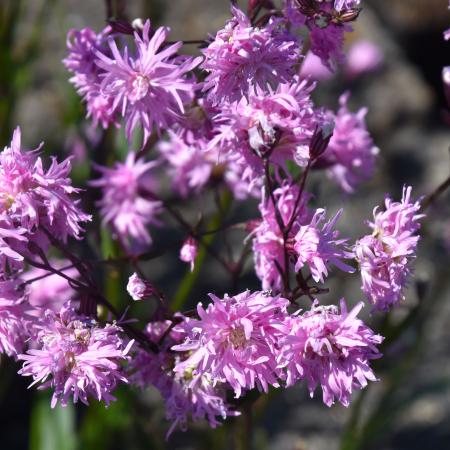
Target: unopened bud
189,251
348,15
446,80
321,139
138,24
138,288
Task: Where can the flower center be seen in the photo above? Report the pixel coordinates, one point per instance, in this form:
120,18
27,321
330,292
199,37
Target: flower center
69,359
322,19
6,201
188,374
262,137
237,337
140,86
81,332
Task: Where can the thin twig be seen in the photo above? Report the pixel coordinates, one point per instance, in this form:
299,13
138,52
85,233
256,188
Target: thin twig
45,275
430,199
299,196
189,229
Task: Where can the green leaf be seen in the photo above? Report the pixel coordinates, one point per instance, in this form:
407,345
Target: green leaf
52,429
103,427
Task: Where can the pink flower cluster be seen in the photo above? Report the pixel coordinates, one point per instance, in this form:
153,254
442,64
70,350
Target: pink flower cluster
34,203
306,243
76,357
242,57
237,123
332,349
126,203
250,340
276,125
327,21
148,88
385,255
183,398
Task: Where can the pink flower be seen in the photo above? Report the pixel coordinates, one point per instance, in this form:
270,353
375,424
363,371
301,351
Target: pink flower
326,34
76,357
332,349
385,256
14,318
277,125
199,400
125,205
351,152
50,291
235,340
447,35
190,167
319,247
363,57
327,44
193,164
446,80
340,5
81,61
151,87
183,398
138,288
34,201
268,242
242,57
189,251
312,67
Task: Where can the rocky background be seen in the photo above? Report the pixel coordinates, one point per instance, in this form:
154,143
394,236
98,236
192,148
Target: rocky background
410,407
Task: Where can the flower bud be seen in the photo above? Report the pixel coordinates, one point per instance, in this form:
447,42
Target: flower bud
321,139
189,251
138,288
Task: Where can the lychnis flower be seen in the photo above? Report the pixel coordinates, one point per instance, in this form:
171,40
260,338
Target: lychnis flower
150,87
385,256
351,153
76,357
82,62
275,124
35,203
242,57
125,204
14,318
331,349
236,341
269,247
319,247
